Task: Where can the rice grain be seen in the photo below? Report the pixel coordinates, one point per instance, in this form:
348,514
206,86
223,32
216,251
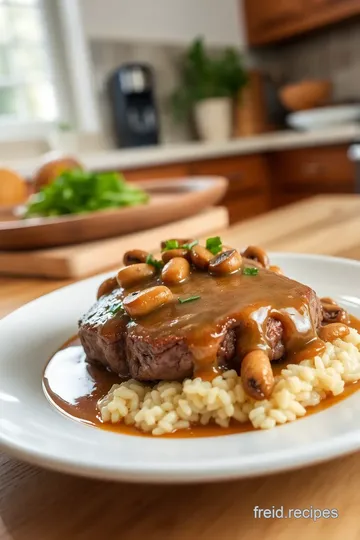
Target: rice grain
169,406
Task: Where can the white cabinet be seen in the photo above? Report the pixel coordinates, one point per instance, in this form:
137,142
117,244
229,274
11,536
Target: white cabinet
164,21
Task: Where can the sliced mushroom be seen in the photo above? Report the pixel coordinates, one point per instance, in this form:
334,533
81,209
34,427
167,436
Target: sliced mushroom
171,253
200,257
130,275
226,262
107,287
175,271
276,270
328,300
257,254
333,331
142,303
257,375
332,313
335,314
251,263
135,256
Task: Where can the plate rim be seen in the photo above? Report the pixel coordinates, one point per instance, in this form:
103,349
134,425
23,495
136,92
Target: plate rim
186,472
189,473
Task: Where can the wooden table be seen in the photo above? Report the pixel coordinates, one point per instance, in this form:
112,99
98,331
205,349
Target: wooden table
39,505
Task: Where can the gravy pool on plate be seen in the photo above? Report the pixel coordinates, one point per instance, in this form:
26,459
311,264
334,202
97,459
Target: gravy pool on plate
234,344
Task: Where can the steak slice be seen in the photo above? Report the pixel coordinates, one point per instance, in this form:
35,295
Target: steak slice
104,342
134,349
274,335
166,359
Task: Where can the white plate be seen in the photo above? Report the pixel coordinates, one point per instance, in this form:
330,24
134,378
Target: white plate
324,117
31,429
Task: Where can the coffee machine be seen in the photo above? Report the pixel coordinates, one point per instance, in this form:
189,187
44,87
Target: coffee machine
135,116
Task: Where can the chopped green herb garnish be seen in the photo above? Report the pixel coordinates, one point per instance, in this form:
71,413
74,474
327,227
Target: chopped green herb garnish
171,244
151,260
190,245
190,299
76,191
214,244
250,271
115,309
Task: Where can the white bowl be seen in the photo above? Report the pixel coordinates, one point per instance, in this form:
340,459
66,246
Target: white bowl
33,430
323,117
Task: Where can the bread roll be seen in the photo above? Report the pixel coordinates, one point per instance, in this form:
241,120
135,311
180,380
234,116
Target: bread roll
13,188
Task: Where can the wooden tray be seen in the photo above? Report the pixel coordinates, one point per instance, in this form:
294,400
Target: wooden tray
85,259
170,201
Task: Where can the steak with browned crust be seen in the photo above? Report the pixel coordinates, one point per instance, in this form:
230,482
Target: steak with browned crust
156,348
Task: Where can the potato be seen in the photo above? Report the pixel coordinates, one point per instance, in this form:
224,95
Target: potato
13,188
52,168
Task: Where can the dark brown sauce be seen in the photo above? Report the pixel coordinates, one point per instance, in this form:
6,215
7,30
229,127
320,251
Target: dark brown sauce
225,302
355,323
74,387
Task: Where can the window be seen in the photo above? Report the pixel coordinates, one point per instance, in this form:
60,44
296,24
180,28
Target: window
27,91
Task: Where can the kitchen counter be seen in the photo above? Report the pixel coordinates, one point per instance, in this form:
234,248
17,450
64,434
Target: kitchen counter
36,503
161,155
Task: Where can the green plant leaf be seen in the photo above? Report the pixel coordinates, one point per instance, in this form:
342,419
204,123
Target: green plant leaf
150,259
214,244
206,76
77,191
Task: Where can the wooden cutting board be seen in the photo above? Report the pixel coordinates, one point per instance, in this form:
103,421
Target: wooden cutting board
169,201
81,260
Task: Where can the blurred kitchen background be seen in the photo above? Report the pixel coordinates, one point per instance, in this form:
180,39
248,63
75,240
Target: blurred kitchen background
151,88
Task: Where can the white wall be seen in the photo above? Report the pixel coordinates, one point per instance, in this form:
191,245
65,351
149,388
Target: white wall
164,21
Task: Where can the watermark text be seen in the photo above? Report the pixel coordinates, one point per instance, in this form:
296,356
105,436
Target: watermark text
279,512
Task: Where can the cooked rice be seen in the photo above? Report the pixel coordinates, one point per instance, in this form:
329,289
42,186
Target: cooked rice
170,406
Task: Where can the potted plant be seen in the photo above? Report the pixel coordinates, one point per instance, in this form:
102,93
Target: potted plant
209,85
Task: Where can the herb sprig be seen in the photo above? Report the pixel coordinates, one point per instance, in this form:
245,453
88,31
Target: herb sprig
214,245
190,299
174,244
171,244
116,308
250,271
150,259
190,245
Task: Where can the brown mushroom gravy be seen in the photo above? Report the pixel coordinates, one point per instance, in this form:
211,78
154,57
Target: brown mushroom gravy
198,313
354,323
221,303
74,387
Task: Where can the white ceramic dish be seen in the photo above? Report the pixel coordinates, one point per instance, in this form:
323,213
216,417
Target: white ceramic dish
31,429
323,117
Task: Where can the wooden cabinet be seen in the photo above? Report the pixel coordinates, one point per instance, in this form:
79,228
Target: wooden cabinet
249,183
258,183
248,193
322,12
157,172
332,4
267,17
305,172
270,21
